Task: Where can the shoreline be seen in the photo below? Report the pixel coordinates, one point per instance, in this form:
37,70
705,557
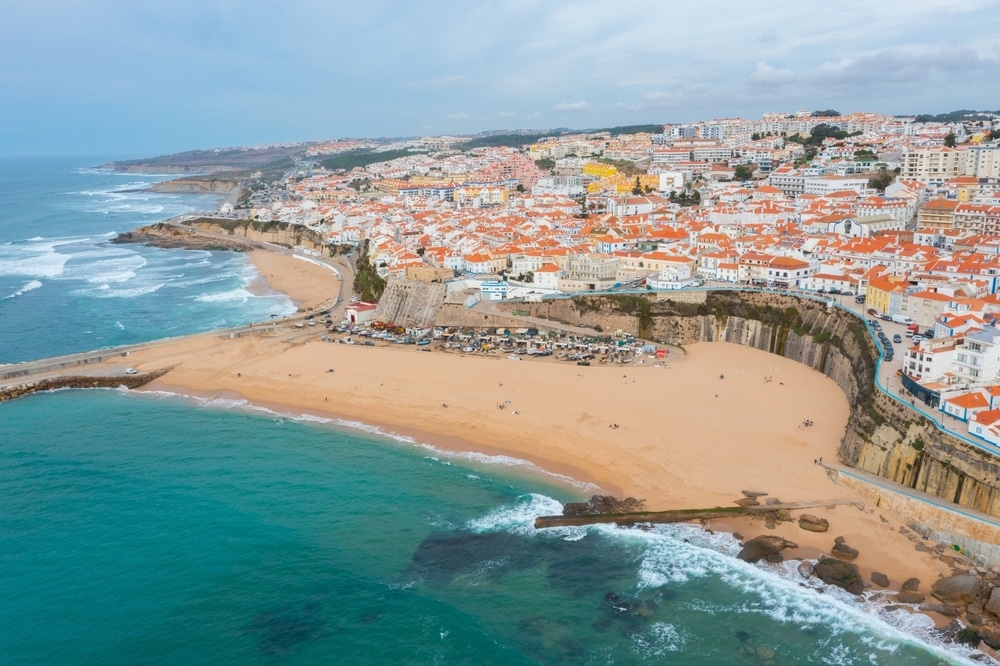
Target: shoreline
688,438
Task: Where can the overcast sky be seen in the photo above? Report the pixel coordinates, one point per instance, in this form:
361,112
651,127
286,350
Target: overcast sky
151,77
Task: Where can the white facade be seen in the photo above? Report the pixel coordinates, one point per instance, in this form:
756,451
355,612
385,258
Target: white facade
977,360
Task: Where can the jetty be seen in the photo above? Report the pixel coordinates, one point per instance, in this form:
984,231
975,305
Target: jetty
632,518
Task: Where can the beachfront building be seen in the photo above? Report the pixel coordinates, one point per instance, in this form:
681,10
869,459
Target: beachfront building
930,359
678,276
359,312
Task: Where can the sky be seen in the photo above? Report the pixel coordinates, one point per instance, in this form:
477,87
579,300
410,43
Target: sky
145,78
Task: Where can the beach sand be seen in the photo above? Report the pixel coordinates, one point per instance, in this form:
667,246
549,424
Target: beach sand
686,438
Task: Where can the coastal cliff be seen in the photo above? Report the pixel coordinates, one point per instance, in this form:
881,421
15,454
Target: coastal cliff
223,234
883,437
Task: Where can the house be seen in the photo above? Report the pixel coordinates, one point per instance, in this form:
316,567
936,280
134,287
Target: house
359,312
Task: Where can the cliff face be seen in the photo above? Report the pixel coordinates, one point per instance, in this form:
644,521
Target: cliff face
224,234
198,186
884,436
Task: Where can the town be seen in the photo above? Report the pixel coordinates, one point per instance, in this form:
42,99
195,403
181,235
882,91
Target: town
895,217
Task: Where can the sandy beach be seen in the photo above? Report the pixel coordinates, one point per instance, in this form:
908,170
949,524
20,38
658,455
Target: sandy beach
692,433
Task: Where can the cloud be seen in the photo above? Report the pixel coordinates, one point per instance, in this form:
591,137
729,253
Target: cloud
506,114
458,116
571,106
766,75
442,82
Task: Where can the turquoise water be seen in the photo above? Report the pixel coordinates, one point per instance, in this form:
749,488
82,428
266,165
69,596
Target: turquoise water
144,529
153,529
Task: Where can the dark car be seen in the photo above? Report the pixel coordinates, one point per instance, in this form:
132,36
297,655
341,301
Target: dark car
834,291
859,299
929,333
897,338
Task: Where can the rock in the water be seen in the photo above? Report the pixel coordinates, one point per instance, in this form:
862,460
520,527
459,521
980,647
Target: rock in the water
993,605
844,552
775,558
763,546
880,579
958,589
841,574
910,598
910,585
603,504
812,523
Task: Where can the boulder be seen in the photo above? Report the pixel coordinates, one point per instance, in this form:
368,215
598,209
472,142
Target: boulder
812,523
910,598
880,579
603,504
910,585
942,609
990,636
763,546
753,493
956,590
993,604
844,552
746,502
841,574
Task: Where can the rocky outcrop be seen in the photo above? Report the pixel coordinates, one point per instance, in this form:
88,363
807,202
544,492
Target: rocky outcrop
603,504
167,236
841,574
763,547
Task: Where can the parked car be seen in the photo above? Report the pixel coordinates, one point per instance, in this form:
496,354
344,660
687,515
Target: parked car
929,333
897,338
918,338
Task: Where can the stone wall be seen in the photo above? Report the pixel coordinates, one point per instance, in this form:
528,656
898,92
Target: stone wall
410,302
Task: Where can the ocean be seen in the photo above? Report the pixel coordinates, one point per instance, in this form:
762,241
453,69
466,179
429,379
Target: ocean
161,529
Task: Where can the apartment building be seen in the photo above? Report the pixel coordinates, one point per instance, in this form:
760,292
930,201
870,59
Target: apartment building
932,165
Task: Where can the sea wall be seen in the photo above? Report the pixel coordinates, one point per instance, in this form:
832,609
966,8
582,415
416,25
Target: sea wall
79,381
884,435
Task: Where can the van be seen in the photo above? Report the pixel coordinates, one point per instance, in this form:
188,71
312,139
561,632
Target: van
902,319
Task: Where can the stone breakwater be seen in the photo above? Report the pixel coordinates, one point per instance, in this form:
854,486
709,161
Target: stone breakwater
79,382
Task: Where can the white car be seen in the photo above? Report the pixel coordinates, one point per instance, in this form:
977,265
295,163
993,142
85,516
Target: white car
131,371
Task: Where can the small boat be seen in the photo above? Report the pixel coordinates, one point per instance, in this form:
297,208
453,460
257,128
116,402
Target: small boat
423,342
513,357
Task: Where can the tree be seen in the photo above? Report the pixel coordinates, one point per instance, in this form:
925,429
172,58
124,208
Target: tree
743,172
880,180
638,186
420,251
828,113
755,136
949,140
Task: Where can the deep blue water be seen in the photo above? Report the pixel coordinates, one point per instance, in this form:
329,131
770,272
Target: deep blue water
152,529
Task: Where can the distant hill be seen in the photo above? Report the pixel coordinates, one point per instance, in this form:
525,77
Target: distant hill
525,138
961,115
209,161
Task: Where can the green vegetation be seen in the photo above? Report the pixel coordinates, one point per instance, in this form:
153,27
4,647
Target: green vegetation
686,198
828,113
917,444
546,164
624,166
949,140
881,180
743,172
630,129
362,158
367,283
